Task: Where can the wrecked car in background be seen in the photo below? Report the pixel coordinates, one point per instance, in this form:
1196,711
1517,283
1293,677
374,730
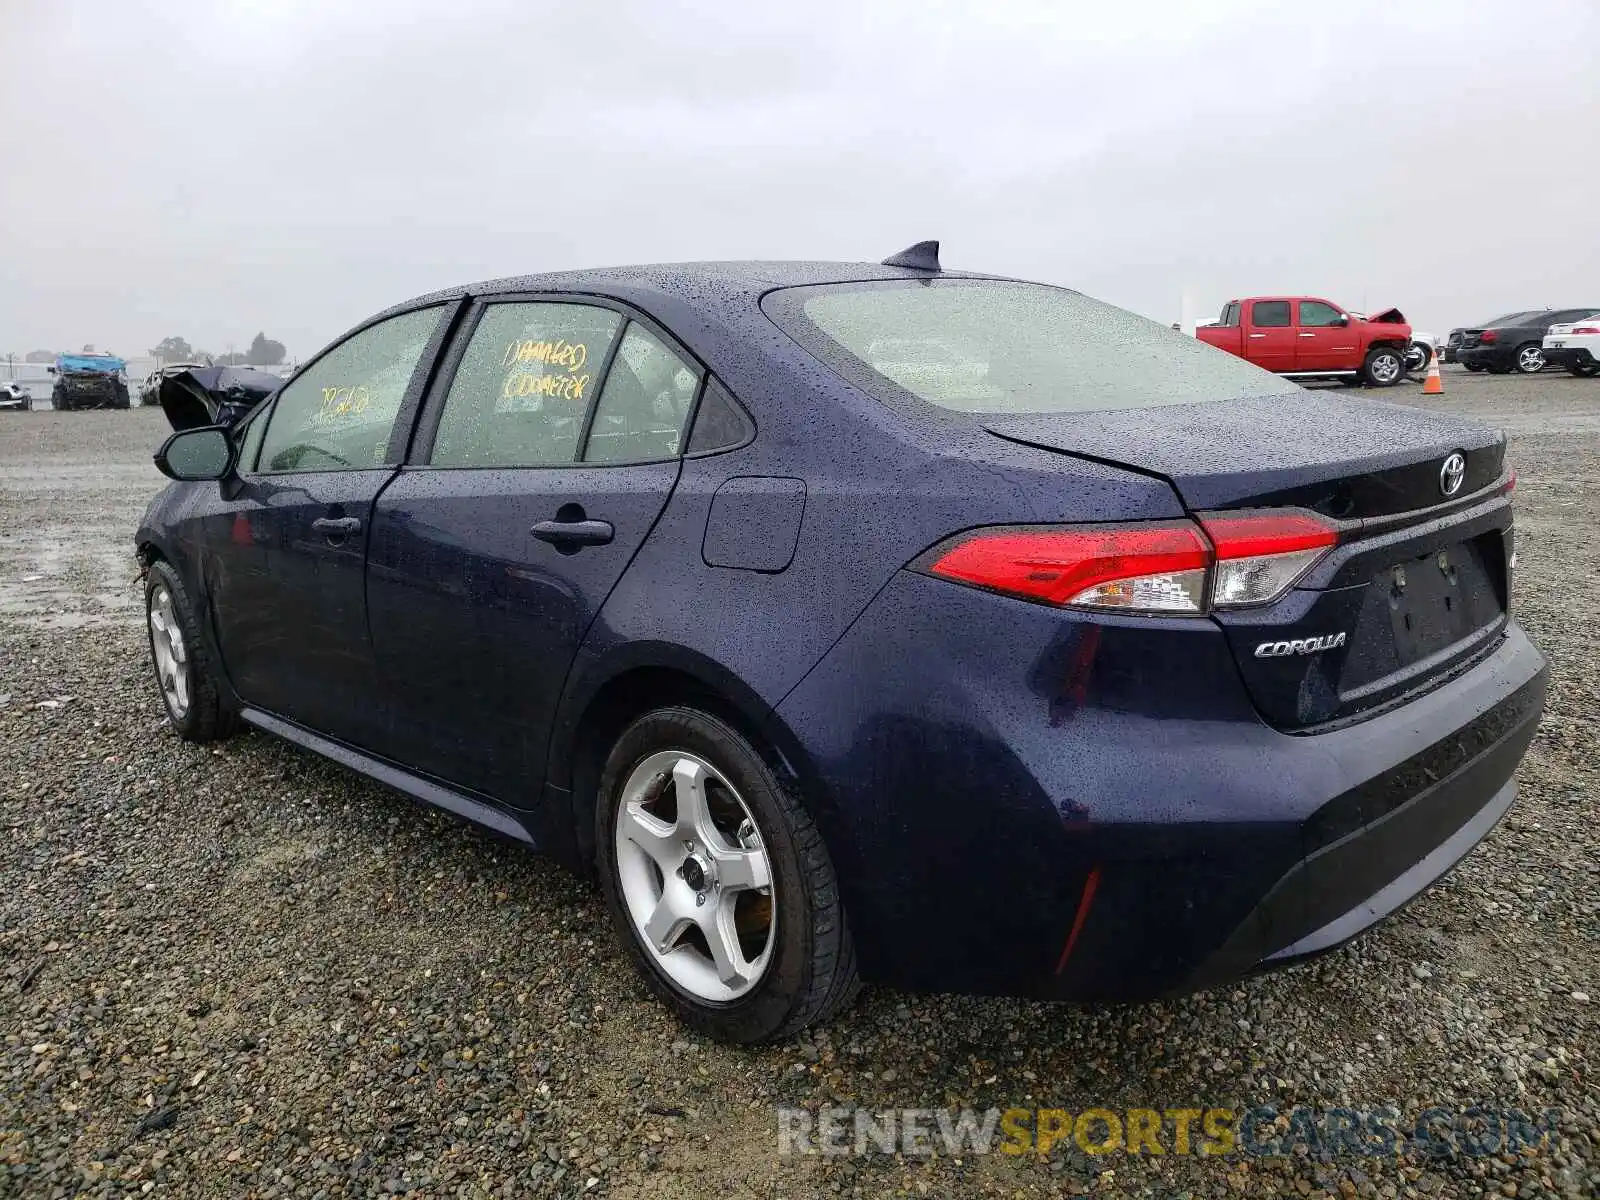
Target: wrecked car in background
196,396
150,389
1307,338
89,381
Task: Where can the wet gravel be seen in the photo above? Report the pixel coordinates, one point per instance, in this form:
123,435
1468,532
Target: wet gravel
237,970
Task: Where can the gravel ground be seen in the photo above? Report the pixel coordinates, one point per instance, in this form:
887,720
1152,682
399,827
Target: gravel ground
242,971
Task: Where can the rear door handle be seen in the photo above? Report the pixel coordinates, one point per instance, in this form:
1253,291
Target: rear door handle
1308,335
337,527
573,533
1258,335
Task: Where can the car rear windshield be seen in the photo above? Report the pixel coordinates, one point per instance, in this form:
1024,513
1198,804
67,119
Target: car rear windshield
996,346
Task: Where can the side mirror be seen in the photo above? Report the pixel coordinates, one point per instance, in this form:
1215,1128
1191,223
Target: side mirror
1344,319
196,454
49,370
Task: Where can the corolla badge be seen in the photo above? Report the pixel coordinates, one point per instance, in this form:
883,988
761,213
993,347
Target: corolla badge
1310,645
1452,472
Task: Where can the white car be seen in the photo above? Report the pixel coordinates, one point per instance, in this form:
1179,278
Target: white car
1575,346
15,396
1421,351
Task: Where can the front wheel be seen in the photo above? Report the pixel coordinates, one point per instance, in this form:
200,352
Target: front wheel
718,882
1383,368
184,671
1418,355
1473,367
1530,358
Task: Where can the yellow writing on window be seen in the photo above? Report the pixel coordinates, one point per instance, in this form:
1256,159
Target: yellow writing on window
530,383
344,401
559,353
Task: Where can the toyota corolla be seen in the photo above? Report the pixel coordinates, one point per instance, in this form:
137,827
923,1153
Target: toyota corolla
867,622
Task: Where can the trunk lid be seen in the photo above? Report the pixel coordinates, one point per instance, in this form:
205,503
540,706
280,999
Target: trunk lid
1331,452
1417,586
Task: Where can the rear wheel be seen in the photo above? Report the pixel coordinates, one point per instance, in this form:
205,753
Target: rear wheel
1473,367
718,882
1530,358
1384,367
1584,370
184,671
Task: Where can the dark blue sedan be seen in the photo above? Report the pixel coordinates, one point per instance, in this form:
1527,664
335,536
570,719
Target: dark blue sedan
868,621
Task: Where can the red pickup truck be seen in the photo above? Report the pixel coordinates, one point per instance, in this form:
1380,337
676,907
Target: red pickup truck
1307,337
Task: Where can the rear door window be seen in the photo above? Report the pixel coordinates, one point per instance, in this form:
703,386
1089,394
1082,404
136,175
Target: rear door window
1270,314
648,395
525,385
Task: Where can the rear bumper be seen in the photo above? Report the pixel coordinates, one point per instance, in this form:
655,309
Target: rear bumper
1487,356
1570,356
1024,800
1373,850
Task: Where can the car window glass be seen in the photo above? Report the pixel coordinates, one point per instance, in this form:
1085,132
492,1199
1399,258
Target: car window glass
995,346
519,397
1230,315
251,445
645,403
1315,313
1271,314
720,423
337,414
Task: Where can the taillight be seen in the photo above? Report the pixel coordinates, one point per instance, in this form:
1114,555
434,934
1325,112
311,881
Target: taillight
1488,336
1262,554
1588,329
1143,567
1167,567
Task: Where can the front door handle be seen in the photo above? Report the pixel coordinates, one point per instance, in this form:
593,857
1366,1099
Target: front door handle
1256,335
573,533
336,527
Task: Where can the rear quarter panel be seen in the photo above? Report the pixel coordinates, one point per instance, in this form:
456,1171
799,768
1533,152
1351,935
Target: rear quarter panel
878,490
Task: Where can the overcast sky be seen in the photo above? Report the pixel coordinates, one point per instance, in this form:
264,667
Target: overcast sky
210,168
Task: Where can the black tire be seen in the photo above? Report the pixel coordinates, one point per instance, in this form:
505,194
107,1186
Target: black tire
1584,370
1418,357
1384,367
209,717
812,972
59,401
1522,364
1473,367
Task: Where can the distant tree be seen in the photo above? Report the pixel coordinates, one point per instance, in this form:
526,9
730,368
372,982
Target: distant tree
231,359
173,349
39,356
264,352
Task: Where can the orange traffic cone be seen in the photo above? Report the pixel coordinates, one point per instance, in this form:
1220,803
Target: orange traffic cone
1433,385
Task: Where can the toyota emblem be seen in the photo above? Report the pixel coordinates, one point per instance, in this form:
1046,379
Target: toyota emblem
1452,473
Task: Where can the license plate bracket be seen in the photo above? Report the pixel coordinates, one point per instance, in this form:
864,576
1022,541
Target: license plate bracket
1435,600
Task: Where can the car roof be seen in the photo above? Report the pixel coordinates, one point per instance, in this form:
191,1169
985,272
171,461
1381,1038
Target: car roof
697,284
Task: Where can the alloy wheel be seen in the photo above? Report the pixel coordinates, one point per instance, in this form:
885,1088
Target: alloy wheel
1530,360
1386,368
695,876
171,655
